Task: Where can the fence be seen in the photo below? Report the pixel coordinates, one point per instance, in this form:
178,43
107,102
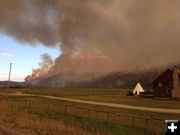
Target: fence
154,124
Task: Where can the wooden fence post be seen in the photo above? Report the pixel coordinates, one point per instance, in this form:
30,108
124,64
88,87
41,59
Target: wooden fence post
54,107
108,116
29,104
60,110
65,108
133,121
88,113
26,103
32,104
48,107
146,122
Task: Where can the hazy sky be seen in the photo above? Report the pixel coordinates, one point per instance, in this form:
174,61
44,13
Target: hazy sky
24,57
95,37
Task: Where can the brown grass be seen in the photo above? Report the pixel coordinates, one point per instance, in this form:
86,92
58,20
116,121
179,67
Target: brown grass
20,120
43,120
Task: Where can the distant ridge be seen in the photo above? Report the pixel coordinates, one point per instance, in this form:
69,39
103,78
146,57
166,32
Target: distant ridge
4,84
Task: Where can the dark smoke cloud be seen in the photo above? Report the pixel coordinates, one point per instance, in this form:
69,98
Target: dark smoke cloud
97,37
27,22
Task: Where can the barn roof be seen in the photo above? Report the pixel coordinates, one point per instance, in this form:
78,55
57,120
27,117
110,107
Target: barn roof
177,70
161,75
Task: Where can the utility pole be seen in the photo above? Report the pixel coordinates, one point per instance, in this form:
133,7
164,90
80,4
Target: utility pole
9,74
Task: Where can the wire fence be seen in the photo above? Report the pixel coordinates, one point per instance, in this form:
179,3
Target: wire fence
155,125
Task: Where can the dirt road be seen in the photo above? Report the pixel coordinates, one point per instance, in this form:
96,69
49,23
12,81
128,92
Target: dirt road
159,110
149,109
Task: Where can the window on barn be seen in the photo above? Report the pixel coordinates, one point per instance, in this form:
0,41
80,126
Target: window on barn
170,84
168,90
160,84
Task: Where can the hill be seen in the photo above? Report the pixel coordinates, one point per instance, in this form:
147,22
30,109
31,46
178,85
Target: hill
12,84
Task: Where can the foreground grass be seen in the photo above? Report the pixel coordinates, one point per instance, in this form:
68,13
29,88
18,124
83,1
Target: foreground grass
26,122
43,105
43,122
94,126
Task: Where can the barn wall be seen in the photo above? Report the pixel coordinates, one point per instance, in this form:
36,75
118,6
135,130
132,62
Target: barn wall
166,89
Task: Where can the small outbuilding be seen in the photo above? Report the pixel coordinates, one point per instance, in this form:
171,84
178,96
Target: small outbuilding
167,85
138,89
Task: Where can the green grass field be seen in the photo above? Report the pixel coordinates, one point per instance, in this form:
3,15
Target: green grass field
105,95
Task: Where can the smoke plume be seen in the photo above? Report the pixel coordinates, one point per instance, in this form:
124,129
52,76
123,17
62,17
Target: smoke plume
96,37
44,68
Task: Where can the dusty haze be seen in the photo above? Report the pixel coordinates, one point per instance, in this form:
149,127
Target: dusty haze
96,36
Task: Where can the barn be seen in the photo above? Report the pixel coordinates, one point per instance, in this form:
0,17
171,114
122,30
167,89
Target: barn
167,85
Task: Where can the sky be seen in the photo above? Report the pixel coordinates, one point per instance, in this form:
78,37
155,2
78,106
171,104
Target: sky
95,37
24,57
